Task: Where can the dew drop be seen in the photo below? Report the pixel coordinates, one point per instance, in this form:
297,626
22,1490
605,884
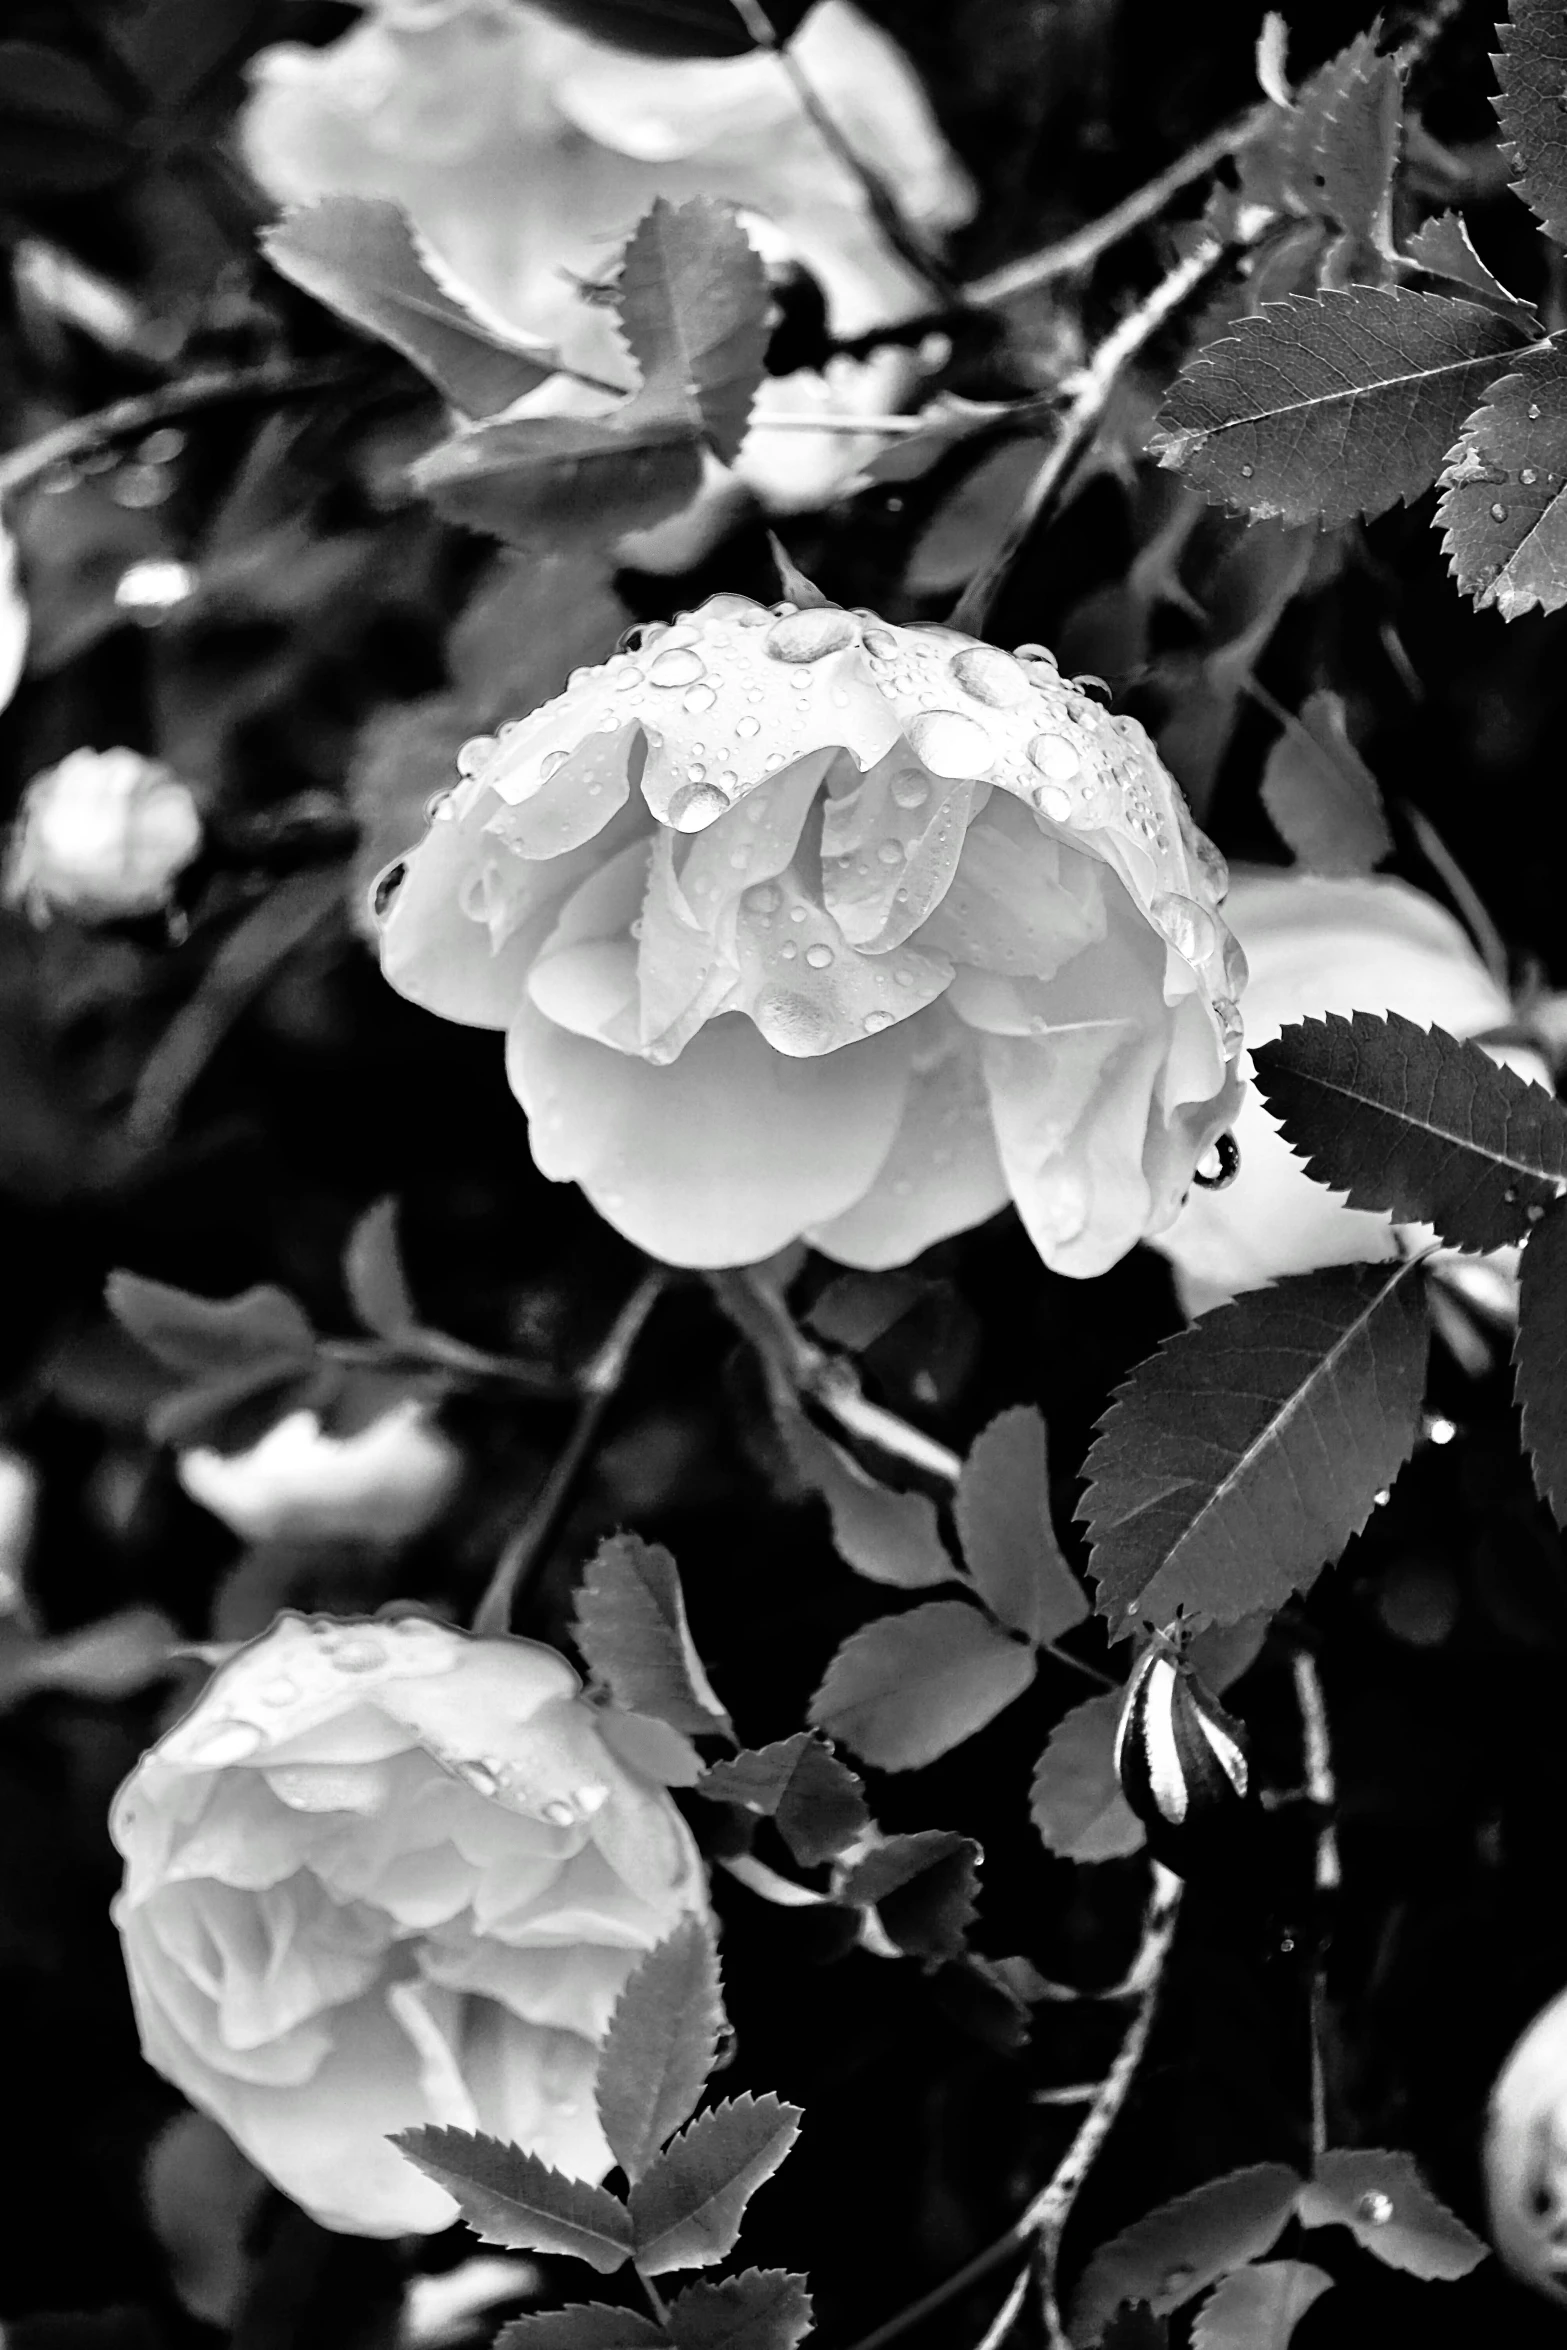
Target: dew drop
874,1022
1232,1029
819,957
747,727
1178,2278
675,665
809,636
1055,757
695,805
1186,925
1528,476
590,1799
356,1652
1375,2208
1053,802
551,764
560,1814
697,772
700,698
788,951
1247,471
881,644
1534,411
764,900
910,790
222,1743
950,744
386,886
1498,513
474,752
482,1777
991,677
891,852
628,680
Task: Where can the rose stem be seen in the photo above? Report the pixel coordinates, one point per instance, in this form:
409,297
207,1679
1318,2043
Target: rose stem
1323,1794
597,1389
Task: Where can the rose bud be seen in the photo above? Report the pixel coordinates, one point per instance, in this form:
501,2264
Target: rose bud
385,1874
1526,2154
298,1484
103,836
804,926
1182,1763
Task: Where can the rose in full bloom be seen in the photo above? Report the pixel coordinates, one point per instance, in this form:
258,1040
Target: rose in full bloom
525,153
102,836
384,1483
801,924
385,1874
1526,2154
1315,946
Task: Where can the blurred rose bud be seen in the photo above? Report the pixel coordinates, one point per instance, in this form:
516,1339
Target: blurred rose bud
102,836
385,1874
384,1484
1526,2154
1181,1761
1316,946
804,925
524,153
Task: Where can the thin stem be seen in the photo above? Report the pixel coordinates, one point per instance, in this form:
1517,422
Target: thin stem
1064,1656
1081,421
1470,904
1321,1789
892,426
599,1386
655,2299
1007,2315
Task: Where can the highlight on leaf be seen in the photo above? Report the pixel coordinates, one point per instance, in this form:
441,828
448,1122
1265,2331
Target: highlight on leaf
1503,509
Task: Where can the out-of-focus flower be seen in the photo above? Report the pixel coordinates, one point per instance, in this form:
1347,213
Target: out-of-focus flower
18,1510
801,924
13,619
793,471
1316,946
1526,2154
384,1874
524,153
384,1484
102,836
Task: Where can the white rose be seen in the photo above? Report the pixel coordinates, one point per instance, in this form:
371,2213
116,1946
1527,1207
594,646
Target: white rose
384,1874
382,1485
101,836
1526,2154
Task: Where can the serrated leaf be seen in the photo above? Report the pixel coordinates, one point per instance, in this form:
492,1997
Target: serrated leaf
1075,1801
923,1887
761,2309
1540,1359
1168,2257
359,255
816,1800
1503,507
373,1273
1321,797
262,1329
538,480
693,302
889,1537
660,2046
650,1747
1410,1121
1441,246
1353,111
1323,408
1259,2308
674,28
590,2326
906,1688
633,1635
1002,1508
1238,1460
1391,2212
1531,72
686,2212
511,2198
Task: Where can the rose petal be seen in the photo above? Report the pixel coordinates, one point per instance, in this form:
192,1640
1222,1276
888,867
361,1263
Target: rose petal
1020,902
572,1989
890,848
270,1959
535,2087
586,1900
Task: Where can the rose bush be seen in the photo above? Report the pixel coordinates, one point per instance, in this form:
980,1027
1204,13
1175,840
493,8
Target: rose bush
384,1874
382,1484
1315,946
801,924
102,836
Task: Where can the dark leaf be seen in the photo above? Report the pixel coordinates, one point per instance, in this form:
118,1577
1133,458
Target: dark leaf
1320,409
545,479
807,597
1391,2212
1259,2308
1322,797
176,47
1503,506
890,1537
513,2199
1410,1121
262,1329
590,2326
686,2212
1441,246
660,2046
761,2309
1540,1358
373,1270
1168,2257
60,131
1239,1459
1076,1801
906,1688
816,1800
923,1888
675,28
633,1635
359,256
693,302
1532,74
1003,1514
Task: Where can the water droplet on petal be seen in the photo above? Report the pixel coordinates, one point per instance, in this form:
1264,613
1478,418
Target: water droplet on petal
875,1022
700,698
356,1652
223,1742
1054,756
474,753
1232,1030
747,727
950,744
991,676
819,957
881,644
1375,2208
1186,925
675,665
809,636
764,900
590,1799
482,1777
695,805
559,1814
551,764
910,790
386,886
891,852
1053,802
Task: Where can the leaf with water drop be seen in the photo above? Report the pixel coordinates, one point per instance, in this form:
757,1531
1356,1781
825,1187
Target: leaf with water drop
1504,503
1170,2255
1531,73
1387,2206
906,1688
1258,2308
511,2198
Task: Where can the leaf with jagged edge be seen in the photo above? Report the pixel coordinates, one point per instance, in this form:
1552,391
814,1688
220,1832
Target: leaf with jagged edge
761,2309
1391,2212
1531,73
542,480
511,2198
1540,1358
660,2045
1504,502
1321,797
1317,409
906,1688
1238,1460
798,1781
1409,1122
694,308
1075,1800
360,256
1353,112
923,1887
1441,246
590,2326
1172,2253
1002,1507
686,2211
1259,2308
633,1635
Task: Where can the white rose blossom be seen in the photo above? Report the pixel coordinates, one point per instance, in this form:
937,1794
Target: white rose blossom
385,1483
385,1874
1526,2154
102,836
